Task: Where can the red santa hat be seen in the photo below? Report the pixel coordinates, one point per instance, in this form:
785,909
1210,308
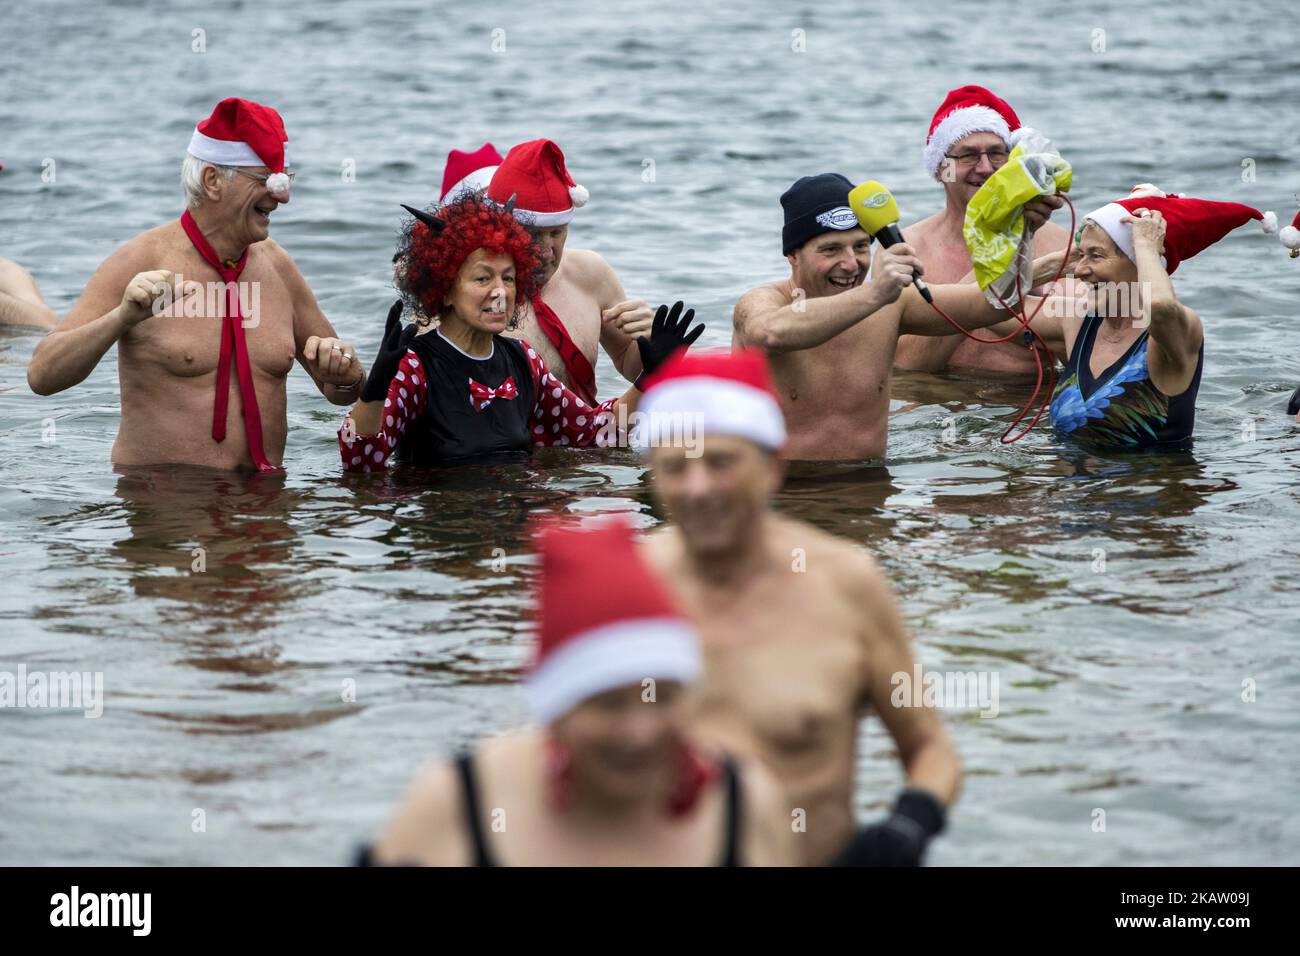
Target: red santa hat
243,133
718,393
967,110
1191,225
468,172
605,620
535,174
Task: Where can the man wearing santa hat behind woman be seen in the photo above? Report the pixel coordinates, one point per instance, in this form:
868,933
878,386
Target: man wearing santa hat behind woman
607,776
971,135
186,300
582,304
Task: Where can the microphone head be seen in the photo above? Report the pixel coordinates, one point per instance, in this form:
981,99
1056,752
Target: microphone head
874,206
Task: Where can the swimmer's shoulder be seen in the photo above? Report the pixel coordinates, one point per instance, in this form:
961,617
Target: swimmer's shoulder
148,251
922,230
774,294
429,828
852,565
586,262
1050,238
283,264
758,301
274,252
587,269
143,252
15,280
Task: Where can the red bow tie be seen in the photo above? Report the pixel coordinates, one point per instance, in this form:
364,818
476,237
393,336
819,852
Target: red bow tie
480,396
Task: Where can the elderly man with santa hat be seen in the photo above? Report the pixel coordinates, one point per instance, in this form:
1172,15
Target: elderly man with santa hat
971,135
186,300
582,304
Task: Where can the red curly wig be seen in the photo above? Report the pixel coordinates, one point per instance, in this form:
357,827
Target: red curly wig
429,262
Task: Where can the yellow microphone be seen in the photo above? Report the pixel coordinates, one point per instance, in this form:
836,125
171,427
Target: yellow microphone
877,213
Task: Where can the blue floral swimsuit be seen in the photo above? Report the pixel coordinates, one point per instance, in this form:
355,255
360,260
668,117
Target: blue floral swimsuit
1121,408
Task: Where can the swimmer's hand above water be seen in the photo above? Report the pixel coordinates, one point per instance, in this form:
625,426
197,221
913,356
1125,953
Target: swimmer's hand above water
670,331
901,840
391,351
1038,211
632,317
892,271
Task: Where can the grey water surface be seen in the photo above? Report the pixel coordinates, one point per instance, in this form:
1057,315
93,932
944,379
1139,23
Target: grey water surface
1121,685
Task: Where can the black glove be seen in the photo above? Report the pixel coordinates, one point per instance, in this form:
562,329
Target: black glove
902,838
668,333
1293,406
391,350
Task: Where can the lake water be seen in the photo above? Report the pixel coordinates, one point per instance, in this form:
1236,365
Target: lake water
1126,605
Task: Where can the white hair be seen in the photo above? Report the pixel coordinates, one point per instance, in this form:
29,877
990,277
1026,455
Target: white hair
192,178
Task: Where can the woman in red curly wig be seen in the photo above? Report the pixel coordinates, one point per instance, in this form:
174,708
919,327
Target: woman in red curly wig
463,391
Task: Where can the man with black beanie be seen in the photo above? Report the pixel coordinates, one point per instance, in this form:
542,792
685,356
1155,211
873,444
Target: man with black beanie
831,334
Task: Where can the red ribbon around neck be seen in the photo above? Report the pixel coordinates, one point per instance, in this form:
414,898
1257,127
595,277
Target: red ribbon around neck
232,339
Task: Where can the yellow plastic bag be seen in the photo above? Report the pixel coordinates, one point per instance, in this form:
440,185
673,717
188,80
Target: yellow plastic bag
994,228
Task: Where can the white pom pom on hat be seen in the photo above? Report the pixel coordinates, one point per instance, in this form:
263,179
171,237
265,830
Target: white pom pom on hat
1289,236
278,184
579,195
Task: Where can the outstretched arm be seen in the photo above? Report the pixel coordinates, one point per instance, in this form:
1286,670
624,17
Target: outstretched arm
772,320
964,302
20,299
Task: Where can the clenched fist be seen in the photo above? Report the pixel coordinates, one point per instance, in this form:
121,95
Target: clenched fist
892,272
147,294
633,317
333,361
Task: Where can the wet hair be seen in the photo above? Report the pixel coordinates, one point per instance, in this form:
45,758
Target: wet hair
431,261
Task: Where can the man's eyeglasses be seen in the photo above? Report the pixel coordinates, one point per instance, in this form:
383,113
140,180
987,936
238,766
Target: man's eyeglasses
970,157
263,177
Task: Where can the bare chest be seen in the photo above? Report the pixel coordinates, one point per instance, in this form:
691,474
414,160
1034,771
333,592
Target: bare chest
850,373
185,340
945,262
787,669
1106,353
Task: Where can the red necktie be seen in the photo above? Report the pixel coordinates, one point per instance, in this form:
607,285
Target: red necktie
480,396
232,338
